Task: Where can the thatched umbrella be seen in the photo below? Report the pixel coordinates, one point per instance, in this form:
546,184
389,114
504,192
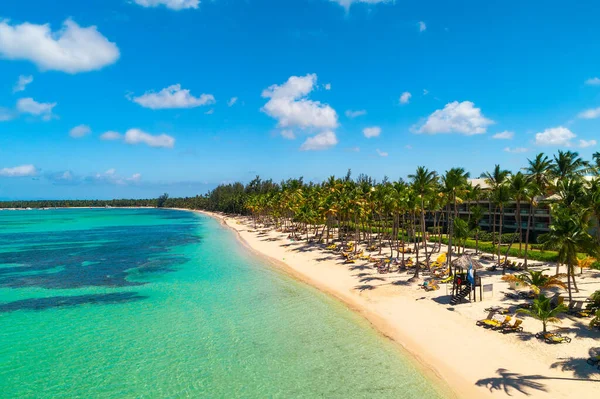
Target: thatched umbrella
465,260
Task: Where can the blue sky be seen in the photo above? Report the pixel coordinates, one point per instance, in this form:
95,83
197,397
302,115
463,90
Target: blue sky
160,76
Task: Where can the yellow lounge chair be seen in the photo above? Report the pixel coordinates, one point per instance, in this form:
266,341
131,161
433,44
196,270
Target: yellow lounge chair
493,323
514,328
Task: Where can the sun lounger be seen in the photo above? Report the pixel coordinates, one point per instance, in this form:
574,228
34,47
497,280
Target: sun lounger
514,328
578,309
552,338
557,339
493,323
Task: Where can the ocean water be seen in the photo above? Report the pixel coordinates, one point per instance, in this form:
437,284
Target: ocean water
140,303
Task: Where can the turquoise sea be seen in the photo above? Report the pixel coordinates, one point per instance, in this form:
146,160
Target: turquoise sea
140,303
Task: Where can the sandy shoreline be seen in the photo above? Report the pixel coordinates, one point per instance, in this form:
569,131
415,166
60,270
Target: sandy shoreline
473,362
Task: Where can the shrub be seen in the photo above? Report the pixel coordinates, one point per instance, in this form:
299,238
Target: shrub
506,238
486,246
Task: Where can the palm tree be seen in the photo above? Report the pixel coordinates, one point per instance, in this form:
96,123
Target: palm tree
521,190
454,185
536,280
476,216
538,172
496,180
500,197
593,199
461,232
543,311
569,235
568,164
423,183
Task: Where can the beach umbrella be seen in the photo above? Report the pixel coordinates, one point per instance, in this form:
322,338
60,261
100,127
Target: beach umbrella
465,260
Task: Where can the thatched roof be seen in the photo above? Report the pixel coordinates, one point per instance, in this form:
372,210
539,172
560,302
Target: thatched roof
464,262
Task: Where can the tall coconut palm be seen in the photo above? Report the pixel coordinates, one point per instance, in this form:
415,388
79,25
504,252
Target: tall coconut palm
496,179
593,199
543,311
538,171
568,164
569,235
476,217
454,185
501,195
521,190
423,183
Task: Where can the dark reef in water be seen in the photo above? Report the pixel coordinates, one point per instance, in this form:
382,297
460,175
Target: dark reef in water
99,257
37,304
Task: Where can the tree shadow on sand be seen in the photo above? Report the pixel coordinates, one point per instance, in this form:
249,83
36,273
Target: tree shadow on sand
524,384
579,365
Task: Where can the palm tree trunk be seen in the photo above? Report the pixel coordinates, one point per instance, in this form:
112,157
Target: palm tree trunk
423,232
520,229
569,281
527,233
500,240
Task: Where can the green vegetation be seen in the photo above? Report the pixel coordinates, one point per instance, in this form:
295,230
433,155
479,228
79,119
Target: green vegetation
403,216
543,311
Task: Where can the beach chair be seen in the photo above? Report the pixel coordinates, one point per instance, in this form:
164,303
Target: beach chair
578,309
447,280
493,323
556,339
514,328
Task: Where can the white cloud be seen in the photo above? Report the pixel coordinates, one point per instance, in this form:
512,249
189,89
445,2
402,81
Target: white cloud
425,92
172,4
370,132
327,86
111,177
137,136
592,113
422,26
72,49
289,104
173,97
32,107
587,143
232,101
111,136
22,83
210,112
80,131
556,136
516,150
381,153
353,114
593,82
18,171
405,97
408,147
505,135
462,118
288,134
347,3
353,149
321,141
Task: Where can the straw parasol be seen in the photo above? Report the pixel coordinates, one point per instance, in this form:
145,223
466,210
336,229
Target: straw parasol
465,260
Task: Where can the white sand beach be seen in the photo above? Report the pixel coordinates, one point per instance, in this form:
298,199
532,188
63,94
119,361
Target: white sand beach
475,362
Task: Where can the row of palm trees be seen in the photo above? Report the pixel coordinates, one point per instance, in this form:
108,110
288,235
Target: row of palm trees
425,208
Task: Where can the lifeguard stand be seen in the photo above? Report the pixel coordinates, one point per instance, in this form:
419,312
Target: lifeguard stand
462,287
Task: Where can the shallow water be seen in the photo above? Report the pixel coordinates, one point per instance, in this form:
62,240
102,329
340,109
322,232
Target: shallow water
158,303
